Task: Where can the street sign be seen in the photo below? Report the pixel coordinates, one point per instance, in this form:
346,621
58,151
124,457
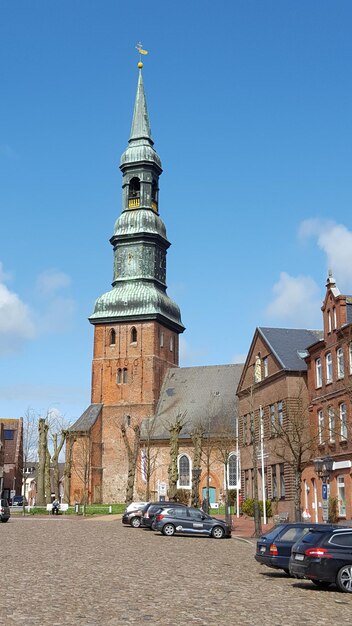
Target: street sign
324,491
325,510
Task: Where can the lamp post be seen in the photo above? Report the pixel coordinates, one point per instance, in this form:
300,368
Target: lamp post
323,468
196,472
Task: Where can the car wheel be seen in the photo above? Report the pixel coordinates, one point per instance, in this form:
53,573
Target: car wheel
286,570
323,584
217,532
135,522
4,520
344,579
168,530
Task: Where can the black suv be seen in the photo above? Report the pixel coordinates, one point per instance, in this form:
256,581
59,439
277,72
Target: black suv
4,511
324,556
152,508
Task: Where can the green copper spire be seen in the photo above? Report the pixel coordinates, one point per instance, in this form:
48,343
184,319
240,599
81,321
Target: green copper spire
139,240
140,123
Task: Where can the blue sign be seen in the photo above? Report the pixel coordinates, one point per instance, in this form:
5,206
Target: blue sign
324,491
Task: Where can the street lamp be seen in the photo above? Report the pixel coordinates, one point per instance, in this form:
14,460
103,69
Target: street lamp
323,468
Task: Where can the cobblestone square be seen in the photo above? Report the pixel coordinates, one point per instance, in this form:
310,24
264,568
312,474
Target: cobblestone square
67,570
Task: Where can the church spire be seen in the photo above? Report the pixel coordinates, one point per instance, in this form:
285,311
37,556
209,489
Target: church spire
140,124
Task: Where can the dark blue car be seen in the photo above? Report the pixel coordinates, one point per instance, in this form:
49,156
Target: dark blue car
188,520
274,547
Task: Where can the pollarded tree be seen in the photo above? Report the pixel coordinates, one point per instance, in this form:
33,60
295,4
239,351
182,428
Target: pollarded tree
174,429
132,449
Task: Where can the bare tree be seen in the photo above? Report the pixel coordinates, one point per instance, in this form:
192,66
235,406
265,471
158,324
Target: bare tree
132,457
296,442
174,430
68,467
225,441
254,433
197,440
149,454
30,444
42,459
81,465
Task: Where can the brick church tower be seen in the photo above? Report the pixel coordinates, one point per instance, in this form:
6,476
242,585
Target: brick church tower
136,325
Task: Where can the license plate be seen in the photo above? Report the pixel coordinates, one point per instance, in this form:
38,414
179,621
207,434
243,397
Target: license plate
299,557
262,548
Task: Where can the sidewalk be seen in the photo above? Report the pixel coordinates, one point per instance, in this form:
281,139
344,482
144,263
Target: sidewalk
243,526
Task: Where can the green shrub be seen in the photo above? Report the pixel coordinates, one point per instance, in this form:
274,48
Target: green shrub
248,507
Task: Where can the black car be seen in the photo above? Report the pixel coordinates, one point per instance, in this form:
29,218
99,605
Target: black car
324,556
4,511
274,547
188,520
152,508
133,514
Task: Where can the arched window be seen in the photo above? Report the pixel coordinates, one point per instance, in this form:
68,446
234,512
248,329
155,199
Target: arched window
112,337
232,471
184,472
134,335
134,188
154,190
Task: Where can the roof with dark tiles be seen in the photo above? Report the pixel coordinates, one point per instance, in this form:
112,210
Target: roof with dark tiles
87,419
199,395
289,345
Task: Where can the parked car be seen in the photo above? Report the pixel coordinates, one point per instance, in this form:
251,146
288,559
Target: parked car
4,511
18,501
274,547
324,556
190,521
152,508
132,518
135,506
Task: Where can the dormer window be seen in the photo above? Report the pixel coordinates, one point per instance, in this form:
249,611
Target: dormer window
134,193
154,195
134,335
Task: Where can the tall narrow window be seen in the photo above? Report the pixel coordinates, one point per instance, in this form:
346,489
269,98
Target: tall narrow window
321,427
265,367
274,481
318,374
350,355
343,422
171,344
261,423
184,471
133,335
282,481
328,361
244,432
334,320
280,415
112,337
340,363
331,415
161,340
272,420
119,376
134,188
341,496
232,471
124,375
329,322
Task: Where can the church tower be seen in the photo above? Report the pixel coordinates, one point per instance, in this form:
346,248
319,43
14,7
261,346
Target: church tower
136,324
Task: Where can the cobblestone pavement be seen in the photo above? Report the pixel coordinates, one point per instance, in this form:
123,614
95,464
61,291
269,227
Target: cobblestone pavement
63,571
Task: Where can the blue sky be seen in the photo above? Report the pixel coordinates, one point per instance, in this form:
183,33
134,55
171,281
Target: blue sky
250,105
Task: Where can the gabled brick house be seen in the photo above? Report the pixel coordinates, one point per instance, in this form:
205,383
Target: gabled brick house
329,367
11,453
272,392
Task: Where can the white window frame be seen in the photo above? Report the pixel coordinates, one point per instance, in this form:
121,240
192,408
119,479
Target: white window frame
272,419
328,363
320,427
334,318
343,421
350,355
329,322
331,418
340,363
318,373
280,413
341,491
189,485
238,482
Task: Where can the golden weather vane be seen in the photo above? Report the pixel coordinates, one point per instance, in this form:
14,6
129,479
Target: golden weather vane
141,51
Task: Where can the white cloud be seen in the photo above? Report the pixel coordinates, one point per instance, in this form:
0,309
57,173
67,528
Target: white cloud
335,240
188,356
16,323
297,301
50,281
